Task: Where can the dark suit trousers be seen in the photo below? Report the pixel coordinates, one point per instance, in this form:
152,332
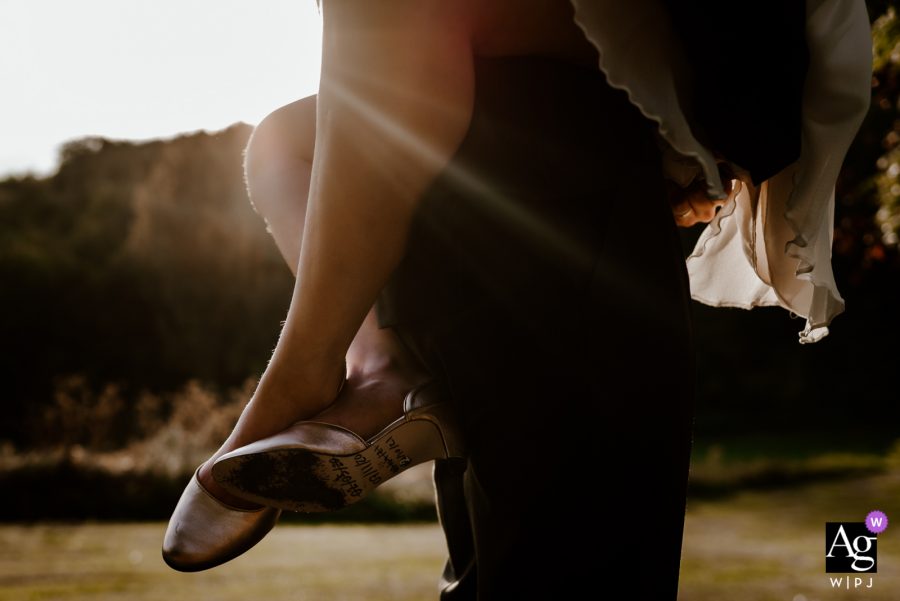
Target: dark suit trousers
545,284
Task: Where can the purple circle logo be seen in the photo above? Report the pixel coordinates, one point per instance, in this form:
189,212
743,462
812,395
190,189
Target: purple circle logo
876,522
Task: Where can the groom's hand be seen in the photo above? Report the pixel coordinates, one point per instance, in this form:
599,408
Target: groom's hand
691,205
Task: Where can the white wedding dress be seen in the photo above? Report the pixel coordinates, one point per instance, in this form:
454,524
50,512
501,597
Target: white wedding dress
769,245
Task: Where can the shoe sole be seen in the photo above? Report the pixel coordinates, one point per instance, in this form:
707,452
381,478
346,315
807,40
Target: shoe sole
298,479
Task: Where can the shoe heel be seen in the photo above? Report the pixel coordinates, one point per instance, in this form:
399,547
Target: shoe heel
422,404
443,418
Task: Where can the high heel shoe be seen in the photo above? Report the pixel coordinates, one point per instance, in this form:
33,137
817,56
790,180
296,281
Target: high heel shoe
316,466
204,532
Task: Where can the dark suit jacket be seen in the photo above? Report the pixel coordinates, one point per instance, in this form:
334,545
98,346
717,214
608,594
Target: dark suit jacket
749,59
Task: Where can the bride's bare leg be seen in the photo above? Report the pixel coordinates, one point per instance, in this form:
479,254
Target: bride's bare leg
278,168
388,121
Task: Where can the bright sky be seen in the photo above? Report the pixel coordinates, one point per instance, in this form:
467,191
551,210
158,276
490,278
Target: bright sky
138,69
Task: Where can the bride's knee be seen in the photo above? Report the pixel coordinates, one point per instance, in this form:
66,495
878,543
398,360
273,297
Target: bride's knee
280,147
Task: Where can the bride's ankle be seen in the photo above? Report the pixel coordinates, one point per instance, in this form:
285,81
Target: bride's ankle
384,368
380,356
300,392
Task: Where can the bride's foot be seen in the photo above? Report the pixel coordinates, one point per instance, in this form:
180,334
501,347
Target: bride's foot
369,400
372,398
381,424
210,525
274,407
380,371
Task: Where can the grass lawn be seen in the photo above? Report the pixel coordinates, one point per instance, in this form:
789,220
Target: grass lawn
122,562
760,545
770,545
